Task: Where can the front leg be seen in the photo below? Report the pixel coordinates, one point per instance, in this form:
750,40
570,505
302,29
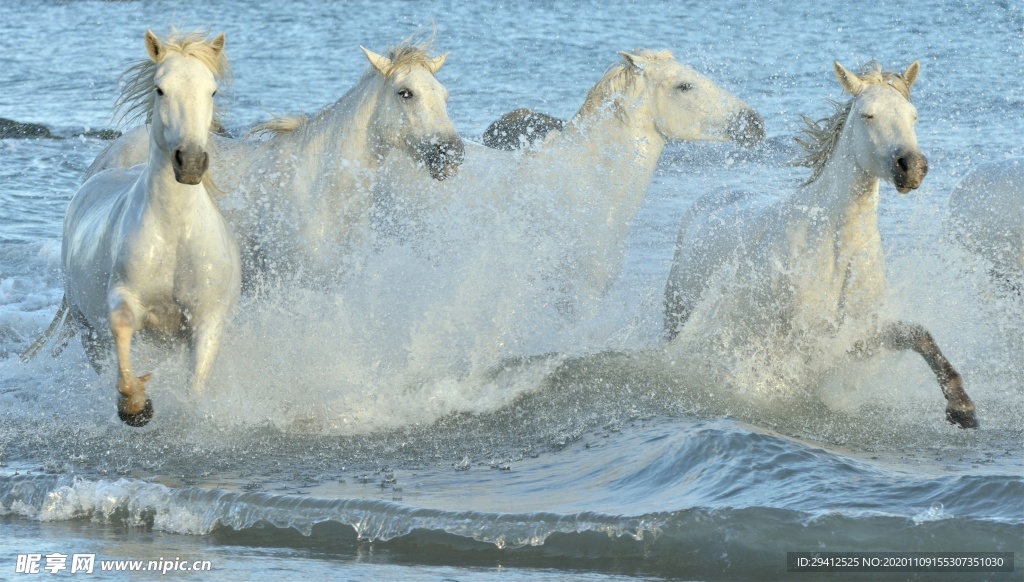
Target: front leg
205,345
911,336
133,407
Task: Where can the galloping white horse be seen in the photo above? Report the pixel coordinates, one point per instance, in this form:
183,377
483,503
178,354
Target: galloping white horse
987,215
609,150
145,248
591,178
296,198
814,263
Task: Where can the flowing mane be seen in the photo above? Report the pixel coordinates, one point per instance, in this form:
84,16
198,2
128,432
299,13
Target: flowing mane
406,54
619,79
820,137
137,97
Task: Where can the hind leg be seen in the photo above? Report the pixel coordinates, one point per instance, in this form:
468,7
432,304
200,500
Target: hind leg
133,407
205,345
97,349
675,318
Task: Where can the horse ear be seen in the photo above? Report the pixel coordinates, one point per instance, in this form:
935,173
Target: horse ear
382,64
635,61
850,81
910,75
218,44
437,62
154,47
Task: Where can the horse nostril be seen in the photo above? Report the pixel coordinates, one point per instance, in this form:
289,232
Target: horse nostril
178,158
901,163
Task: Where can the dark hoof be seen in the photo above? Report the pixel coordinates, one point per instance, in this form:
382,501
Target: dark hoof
140,418
962,418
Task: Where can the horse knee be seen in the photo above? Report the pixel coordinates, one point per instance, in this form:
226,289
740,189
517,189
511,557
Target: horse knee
907,336
122,320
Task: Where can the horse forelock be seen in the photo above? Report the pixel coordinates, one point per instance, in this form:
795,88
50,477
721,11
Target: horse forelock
280,125
872,74
137,97
819,138
411,52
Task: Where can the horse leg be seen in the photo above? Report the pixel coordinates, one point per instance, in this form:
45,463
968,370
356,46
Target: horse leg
675,317
911,336
133,407
205,345
97,349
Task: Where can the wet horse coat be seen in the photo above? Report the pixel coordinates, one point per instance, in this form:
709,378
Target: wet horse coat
813,264
146,248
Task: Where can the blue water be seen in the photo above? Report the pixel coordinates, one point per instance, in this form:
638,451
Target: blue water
339,439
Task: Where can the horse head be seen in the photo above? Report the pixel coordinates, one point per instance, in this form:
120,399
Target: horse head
686,105
412,113
184,84
881,123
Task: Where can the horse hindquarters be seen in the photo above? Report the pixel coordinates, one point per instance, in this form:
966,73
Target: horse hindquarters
679,300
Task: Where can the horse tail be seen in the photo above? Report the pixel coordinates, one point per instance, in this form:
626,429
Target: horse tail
279,125
67,330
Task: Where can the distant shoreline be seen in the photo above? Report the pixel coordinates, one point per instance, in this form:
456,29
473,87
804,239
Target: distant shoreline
10,129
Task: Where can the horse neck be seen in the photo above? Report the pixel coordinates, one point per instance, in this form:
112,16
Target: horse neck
845,195
171,200
833,228
623,148
342,132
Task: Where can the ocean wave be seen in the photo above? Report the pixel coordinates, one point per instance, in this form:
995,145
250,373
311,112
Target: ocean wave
201,511
198,511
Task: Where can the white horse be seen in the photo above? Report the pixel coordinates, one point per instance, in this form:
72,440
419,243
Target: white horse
813,264
296,198
609,150
145,248
987,215
589,180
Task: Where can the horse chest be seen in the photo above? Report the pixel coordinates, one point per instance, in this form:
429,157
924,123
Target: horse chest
836,271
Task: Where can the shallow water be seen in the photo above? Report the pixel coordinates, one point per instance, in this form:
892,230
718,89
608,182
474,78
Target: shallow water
435,414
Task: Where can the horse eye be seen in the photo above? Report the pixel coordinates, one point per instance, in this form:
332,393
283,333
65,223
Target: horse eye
405,94
214,92
159,91
684,87
867,116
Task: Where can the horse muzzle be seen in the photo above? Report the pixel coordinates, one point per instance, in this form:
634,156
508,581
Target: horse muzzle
190,164
908,171
442,156
746,128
